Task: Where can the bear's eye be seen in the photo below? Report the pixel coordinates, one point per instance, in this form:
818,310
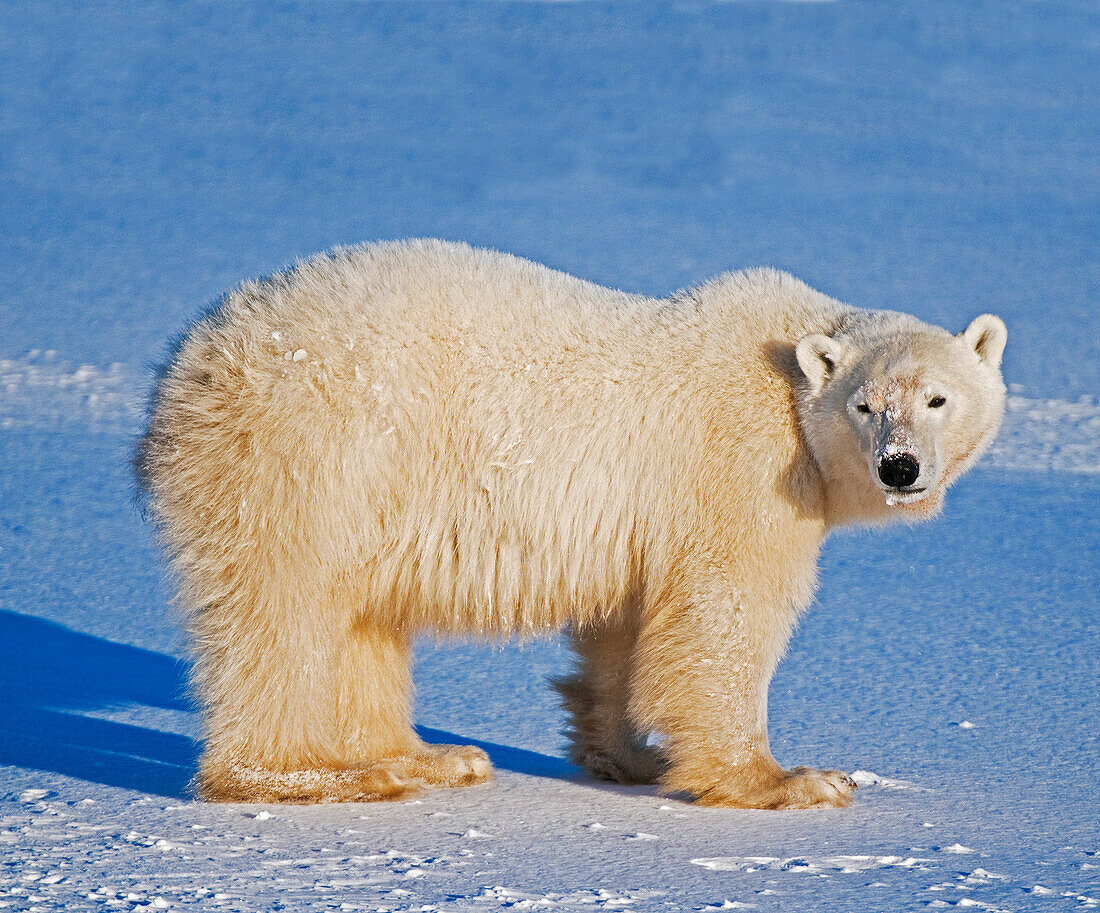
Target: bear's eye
936,401
863,407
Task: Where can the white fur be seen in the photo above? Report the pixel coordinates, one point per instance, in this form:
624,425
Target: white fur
421,436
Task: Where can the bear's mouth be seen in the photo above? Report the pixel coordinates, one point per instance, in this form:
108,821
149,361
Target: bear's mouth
896,496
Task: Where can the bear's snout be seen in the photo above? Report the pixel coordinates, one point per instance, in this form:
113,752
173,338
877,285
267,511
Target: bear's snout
898,470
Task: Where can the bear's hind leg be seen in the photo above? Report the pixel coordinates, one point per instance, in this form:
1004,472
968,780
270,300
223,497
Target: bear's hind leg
605,741
266,671
373,718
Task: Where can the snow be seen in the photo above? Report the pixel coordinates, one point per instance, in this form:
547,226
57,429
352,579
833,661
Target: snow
870,778
811,865
936,159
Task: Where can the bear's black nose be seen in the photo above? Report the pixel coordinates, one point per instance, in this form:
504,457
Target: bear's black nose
898,470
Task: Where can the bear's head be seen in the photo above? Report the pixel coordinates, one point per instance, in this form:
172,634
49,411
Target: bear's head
894,410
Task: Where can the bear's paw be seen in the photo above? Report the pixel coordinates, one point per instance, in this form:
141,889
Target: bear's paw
370,782
802,787
447,765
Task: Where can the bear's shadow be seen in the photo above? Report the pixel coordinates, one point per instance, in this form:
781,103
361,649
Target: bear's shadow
53,682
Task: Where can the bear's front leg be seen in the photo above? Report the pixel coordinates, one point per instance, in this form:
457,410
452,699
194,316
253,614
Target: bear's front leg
605,741
702,668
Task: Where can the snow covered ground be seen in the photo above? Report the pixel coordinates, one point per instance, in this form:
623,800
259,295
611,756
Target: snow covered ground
939,159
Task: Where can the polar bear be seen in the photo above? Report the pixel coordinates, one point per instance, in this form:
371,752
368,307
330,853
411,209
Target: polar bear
425,438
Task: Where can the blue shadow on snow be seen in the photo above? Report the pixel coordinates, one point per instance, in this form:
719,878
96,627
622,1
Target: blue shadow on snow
505,757
52,677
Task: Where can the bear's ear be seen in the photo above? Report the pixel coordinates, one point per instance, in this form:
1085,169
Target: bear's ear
986,335
817,356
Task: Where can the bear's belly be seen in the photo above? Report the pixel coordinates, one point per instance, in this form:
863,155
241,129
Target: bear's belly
497,568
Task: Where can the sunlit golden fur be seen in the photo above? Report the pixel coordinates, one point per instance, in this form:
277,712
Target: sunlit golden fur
426,438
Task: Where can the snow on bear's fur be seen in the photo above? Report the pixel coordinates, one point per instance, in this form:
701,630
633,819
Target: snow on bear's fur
421,437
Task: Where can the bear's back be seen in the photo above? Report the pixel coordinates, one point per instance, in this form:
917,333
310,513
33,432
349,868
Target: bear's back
428,291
